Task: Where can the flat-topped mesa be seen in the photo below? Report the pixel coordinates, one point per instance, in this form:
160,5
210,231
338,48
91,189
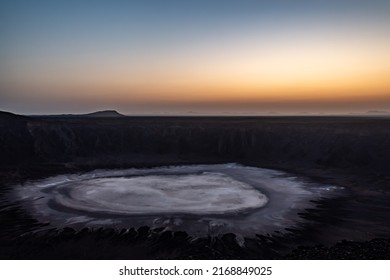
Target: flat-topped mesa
104,114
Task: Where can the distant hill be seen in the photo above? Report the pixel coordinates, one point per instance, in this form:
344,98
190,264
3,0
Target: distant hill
98,114
378,112
10,116
104,114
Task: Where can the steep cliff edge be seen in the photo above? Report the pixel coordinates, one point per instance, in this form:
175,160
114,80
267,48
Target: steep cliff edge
16,142
353,144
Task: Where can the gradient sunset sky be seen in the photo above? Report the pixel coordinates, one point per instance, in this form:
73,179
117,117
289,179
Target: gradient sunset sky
195,57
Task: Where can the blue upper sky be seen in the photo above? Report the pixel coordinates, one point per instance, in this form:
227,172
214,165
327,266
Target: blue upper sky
50,48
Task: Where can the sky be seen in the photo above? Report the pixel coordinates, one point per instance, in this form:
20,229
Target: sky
213,57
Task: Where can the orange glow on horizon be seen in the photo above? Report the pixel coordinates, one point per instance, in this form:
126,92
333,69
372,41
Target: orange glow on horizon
290,71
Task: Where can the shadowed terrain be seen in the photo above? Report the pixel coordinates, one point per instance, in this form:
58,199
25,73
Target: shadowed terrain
352,152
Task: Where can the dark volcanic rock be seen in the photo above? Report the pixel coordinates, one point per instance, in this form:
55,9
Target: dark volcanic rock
375,249
16,141
353,144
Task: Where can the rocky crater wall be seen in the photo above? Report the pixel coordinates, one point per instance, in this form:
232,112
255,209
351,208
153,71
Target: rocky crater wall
358,144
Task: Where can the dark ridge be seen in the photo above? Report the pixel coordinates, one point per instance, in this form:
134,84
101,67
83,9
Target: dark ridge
378,112
8,116
104,114
98,114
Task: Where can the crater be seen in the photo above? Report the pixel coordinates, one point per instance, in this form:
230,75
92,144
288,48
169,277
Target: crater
197,194
199,199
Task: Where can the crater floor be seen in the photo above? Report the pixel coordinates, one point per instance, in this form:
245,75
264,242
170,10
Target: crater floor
200,199
206,193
